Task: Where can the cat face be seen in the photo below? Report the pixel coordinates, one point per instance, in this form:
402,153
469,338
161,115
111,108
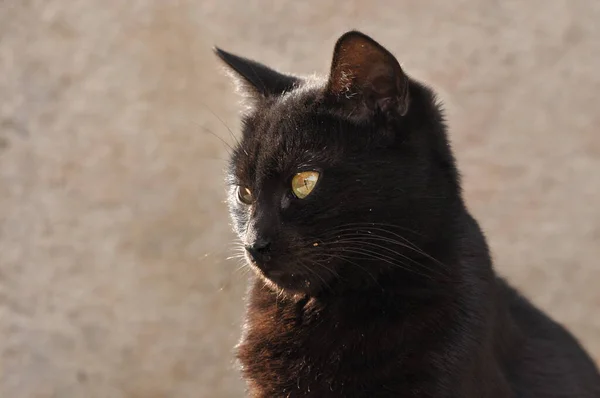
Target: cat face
336,182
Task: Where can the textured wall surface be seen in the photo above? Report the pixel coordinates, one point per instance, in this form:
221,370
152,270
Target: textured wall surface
113,233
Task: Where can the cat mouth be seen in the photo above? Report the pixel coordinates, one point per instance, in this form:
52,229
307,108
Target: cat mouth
279,275
263,269
282,278
287,279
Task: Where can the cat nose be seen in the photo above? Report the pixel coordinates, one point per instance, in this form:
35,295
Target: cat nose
259,250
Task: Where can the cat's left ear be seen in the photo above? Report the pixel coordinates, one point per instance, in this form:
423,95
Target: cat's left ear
365,77
257,79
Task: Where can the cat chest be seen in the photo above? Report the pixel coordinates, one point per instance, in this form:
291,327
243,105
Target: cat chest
316,362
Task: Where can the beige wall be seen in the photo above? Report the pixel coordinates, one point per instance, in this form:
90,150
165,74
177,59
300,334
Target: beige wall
113,231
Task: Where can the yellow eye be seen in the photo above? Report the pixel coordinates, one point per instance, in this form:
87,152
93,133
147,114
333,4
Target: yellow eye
303,183
245,195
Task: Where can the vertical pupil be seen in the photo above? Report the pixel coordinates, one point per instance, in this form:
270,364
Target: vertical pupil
304,182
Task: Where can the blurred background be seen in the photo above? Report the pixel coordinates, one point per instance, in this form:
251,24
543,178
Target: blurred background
113,232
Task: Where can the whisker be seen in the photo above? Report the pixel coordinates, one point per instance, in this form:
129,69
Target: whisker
206,129
367,242
313,272
370,230
347,259
320,264
222,122
374,255
370,239
412,245
369,254
377,224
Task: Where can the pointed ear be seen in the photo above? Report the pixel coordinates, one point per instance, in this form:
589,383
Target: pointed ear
257,79
366,77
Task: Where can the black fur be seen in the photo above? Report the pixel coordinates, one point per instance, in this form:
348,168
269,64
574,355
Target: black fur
379,283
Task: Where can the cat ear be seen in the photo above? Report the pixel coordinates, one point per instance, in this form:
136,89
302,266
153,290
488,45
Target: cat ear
257,79
365,76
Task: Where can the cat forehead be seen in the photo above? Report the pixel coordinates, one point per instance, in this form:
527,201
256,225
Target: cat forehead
279,151
290,122
281,146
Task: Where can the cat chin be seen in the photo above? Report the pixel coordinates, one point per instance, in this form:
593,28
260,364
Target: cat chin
287,283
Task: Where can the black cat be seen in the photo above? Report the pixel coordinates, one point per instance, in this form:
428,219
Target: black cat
372,278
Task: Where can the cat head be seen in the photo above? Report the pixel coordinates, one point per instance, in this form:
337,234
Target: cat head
339,183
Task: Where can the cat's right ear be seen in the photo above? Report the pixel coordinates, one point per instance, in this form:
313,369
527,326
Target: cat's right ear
255,79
